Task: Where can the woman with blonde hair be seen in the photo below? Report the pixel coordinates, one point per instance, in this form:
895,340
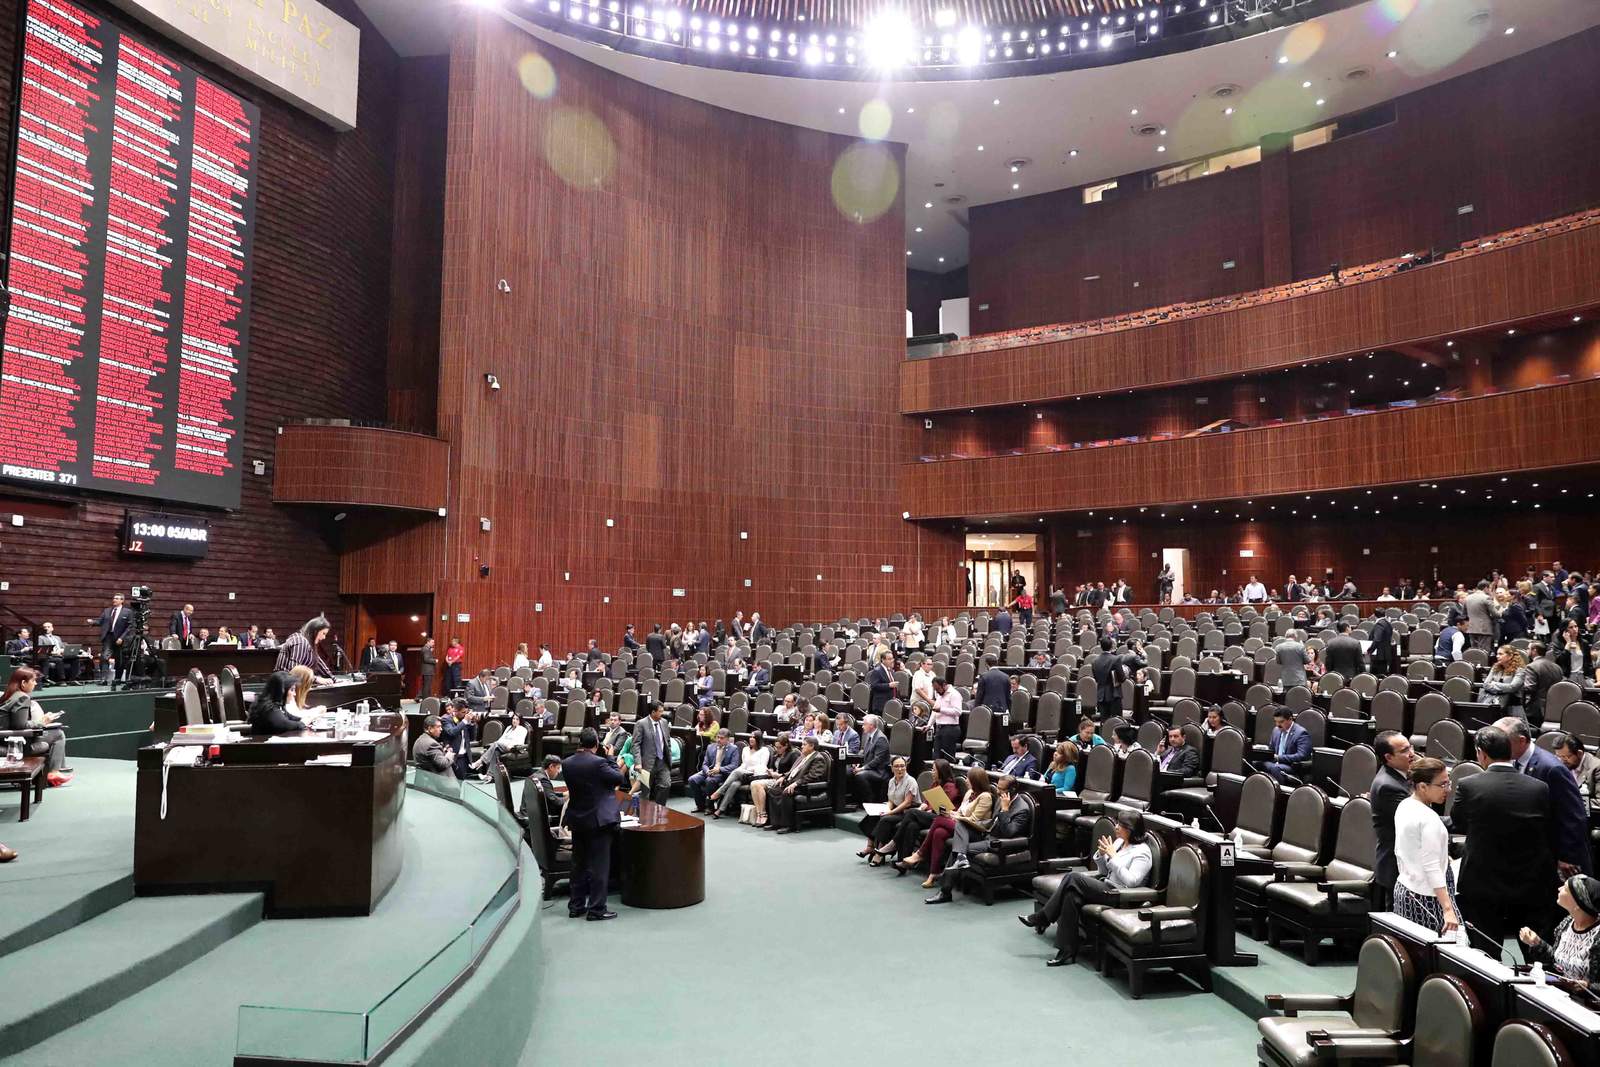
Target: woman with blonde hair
301,679
1509,680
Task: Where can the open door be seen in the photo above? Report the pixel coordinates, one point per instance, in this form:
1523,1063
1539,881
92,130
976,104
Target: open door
1178,560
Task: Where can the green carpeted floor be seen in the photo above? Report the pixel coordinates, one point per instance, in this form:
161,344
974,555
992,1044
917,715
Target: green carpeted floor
796,924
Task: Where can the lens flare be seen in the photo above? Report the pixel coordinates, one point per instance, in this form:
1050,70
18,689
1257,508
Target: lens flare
579,148
1303,42
875,120
866,182
1396,10
537,75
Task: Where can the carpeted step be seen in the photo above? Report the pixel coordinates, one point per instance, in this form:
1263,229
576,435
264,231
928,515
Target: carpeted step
85,970
40,908
849,821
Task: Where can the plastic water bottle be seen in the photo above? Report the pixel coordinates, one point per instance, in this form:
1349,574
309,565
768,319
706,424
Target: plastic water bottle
1537,974
1238,838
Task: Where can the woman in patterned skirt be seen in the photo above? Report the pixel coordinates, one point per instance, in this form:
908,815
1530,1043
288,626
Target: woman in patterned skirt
1425,891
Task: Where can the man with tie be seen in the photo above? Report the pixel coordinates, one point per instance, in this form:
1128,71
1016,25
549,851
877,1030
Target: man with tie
113,622
1508,872
182,625
652,754
387,659
479,691
1020,764
722,757
1571,815
1290,744
593,817
867,778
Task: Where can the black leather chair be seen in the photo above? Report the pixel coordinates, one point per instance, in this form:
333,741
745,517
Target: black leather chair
553,856
1138,783
1102,781
1376,1016
1169,934
1312,902
1005,863
813,798
1525,1044
1196,801
1305,820
1260,821
1052,871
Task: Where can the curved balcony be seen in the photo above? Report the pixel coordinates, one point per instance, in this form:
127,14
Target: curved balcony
360,466
1543,270
1513,432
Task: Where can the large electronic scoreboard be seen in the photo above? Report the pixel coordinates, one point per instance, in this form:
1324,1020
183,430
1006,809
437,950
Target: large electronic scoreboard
130,236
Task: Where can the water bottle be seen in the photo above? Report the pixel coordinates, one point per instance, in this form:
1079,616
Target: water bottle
1238,838
1537,974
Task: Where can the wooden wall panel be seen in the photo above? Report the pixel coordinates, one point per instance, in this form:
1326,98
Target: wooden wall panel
672,268
1509,284
1508,432
361,465
1516,140
319,328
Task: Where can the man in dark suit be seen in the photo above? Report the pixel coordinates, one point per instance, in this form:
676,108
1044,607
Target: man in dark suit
456,735
656,645
1342,654
1290,744
1508,873
1382,637
866,779
1546,672
629,642
114,622
182,624
1110,669
1177,756
1020,763
480,691
543,781
1002,622
369,654
994,686
881,682
1390,786
1571,837
652,753
594,818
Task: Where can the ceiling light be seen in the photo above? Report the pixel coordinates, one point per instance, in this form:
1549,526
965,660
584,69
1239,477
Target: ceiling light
1320,101
1511,332
1282,60
1073,152
1577,318
997,101
1015,185
941,259
1161,148
919,230
980,148
1305,85
1510,30
1135,111
1227,111
1392,53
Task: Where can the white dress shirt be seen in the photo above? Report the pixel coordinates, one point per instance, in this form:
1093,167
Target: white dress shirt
513,737
1128,866
753,761
1421,847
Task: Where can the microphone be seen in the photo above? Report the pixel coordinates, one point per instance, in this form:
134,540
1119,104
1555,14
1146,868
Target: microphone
1347,794
1500,946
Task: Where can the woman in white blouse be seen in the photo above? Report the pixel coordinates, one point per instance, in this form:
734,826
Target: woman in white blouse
1425,890
520,660
752,765
1121,862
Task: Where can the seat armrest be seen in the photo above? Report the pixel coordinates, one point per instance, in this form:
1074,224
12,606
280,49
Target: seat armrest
1132,898
1357,887
1060,865
1160,914
1354,1046
1292,1004
1092,807
1006,846
1297,872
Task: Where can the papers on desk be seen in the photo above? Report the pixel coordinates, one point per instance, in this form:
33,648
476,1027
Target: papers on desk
296,739
630,820
878,810
331,759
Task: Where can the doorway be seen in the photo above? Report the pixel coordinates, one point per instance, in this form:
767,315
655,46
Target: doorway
1178,560
991,560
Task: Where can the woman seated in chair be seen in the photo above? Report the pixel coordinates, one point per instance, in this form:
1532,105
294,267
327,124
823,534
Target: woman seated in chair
1576,954
513,740
976,814
705,723
1509,680
753,763
1062,773
1121,862
19,711
903,799
269,714
1013,818
704,689
298,704
916,821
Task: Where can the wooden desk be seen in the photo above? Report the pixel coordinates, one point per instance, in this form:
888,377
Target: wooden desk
383,690
1574,1023
27,774
251,662
663,859
317,840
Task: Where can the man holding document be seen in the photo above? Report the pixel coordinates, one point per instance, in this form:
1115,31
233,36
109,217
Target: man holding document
652,756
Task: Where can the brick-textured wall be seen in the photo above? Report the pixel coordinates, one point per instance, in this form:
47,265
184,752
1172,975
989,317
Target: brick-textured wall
318,335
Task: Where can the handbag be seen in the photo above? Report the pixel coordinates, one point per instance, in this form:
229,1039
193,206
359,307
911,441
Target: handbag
747,814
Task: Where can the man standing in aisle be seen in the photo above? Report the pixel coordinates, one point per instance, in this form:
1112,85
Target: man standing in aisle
593,817
113,622
652,754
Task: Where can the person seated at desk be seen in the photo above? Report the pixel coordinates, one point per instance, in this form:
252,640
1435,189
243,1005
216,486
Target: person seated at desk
615,736
19,711
269,714
1062,771
845,735
705,723
1020,764
543,781
1290,745
1215,722
1575,955
571,681
722,758
268,638
866,779
789,711
224,637
1121,862
975,813
429,753
810,766
754,758
760,679
20,646
705,693
1040,659
511,739
1176,756
298,704
1570,750
251,638
48,656
479,691
806,726
1011,820
1125,739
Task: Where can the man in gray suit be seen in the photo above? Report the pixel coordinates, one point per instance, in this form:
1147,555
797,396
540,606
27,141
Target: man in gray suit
652,753
867,779
1481,617
429,752
1291,655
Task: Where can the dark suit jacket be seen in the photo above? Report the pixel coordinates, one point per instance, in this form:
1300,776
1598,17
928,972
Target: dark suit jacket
1571,837
1388,790
1185,762
175,627
883,688
1002,622
592,784
656,645
1297,752
1017,821
1343,656
1021,768
875,752
1109,669
1382,647
1506,819
994,690
108,632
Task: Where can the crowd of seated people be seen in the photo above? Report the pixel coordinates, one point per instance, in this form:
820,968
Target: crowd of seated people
1034,335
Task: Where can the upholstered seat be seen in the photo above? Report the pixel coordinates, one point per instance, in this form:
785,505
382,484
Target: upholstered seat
1125,923
1375,1018
1314,903
1301,843
1169,934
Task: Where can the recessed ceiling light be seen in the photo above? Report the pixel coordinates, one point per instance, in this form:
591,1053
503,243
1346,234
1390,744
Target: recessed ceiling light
1577,318
1320,101
1392,53
1282,60
1015,185
1227,111
1072,152
911,111
919,230
1161,148
980,148
1163,132
1510,30
997,101
1305,85
941,259
928,204
908,251
1135,111
841,111
1511,332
